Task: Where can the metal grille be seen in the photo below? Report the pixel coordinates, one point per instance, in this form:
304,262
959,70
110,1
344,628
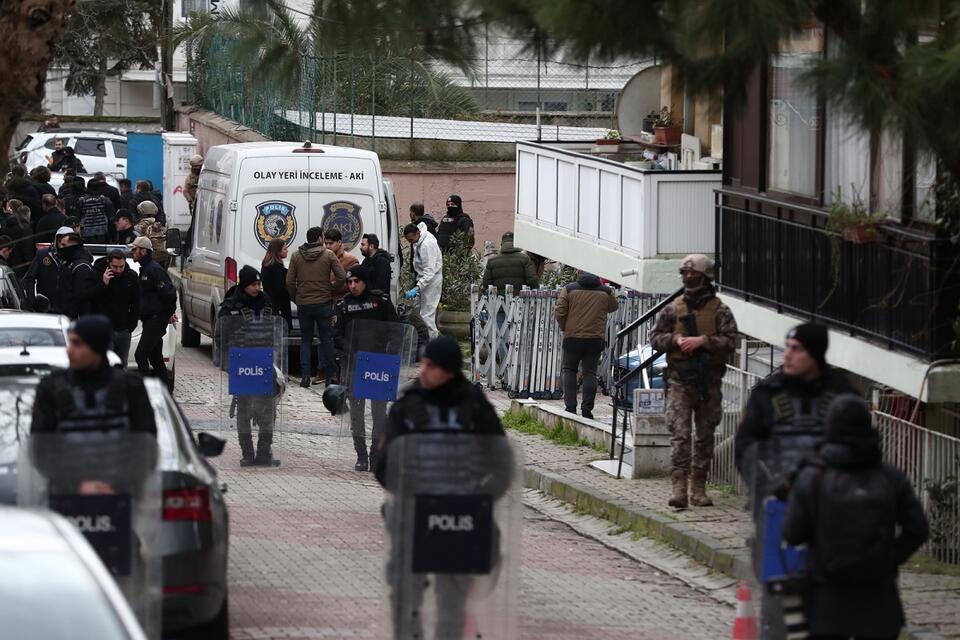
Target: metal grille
414,108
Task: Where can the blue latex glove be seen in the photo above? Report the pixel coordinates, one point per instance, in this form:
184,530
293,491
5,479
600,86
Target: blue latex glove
413,293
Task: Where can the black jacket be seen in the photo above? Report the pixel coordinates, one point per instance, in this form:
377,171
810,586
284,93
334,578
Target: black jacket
102,188
758,417
379,267
369,306
43,188
447,402
62,162
120,300
23,189
46,226
274,278
158,298
865,610
452,224
43,275
236,300
76,283
96,214
153,197
24,248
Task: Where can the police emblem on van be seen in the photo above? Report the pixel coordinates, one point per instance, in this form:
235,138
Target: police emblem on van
275,221
345,217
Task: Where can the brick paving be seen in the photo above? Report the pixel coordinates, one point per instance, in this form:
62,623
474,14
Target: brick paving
932,602
307,544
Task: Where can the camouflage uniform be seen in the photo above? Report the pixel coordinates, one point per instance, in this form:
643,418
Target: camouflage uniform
694,393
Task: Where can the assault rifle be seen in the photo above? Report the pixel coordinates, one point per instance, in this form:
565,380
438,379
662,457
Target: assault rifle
699,363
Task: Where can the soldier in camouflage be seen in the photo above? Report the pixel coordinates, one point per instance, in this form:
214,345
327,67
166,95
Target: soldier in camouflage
698,333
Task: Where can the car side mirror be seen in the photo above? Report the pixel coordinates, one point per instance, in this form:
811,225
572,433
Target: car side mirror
174,241
41,303
210,445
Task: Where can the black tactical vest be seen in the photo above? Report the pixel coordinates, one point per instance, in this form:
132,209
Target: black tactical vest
103,409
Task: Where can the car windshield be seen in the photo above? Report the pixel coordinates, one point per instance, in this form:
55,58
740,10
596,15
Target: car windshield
48,595
31,337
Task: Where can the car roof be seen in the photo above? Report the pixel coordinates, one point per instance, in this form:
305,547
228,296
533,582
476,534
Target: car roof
225,157
12,318
95,132
29,530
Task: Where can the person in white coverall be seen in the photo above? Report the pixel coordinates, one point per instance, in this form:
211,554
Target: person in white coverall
428,265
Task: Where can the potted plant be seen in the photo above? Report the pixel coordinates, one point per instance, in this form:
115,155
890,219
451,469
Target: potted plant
852,222
462,268
609,143
666,130
649,121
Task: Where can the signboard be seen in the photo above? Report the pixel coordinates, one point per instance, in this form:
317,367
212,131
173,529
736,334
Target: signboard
376,376
250,371
104,520
453,534
649,402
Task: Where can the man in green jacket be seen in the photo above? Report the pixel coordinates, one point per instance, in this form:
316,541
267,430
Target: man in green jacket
511,266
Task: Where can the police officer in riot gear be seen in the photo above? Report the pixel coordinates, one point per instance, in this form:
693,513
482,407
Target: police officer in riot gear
440,401
91,395
784,423
362,303
247,300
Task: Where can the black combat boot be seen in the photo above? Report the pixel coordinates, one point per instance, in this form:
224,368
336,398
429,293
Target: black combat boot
246,449
360,446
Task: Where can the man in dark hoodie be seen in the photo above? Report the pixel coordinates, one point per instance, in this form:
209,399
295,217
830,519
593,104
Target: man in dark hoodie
696,363
377,262
581,312
511,266
861,520
21,187
311,288
456,221
52,219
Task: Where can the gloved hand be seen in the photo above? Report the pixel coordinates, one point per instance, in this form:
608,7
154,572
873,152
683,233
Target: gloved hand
413,293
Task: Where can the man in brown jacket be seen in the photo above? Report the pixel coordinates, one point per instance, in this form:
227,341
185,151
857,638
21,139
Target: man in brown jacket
582,314
334,241
315,273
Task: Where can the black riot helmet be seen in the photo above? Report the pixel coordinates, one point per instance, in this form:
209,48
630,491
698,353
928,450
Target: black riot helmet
335,399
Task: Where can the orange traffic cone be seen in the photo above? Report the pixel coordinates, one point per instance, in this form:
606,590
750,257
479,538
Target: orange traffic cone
745,624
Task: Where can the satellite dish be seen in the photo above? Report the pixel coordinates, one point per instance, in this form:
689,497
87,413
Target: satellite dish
640,96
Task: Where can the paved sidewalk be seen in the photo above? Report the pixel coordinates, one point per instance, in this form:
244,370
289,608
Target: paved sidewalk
714,536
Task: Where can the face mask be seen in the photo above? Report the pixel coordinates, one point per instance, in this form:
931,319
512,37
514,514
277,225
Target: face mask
453,211
692,281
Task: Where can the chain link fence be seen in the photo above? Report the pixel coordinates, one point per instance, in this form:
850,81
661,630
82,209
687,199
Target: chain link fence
414,108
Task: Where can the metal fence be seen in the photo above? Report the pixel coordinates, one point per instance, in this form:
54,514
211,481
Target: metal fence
517,343
408,107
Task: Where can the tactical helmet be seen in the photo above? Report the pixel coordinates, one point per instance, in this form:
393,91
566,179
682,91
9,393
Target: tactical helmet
196,160
699,263
335,399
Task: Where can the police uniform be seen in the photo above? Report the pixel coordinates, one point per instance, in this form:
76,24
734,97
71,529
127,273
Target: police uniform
694,380
252,410
370,305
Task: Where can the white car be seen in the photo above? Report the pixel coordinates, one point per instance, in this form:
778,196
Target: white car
97,149
38,342
54,585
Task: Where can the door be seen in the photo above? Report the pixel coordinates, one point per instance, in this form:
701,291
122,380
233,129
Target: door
119,158
204,268
93,154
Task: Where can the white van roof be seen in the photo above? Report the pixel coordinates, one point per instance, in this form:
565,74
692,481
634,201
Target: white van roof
224,158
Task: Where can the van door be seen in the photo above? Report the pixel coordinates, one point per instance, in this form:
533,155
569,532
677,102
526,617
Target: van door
203,275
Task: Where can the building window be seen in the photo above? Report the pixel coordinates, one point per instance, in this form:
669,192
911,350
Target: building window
793,125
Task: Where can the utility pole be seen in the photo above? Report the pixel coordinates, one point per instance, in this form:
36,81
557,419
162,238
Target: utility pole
167,114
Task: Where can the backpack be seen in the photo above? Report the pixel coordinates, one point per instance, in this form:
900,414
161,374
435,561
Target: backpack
157,233
856,525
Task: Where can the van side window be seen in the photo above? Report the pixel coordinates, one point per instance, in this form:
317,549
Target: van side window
203,230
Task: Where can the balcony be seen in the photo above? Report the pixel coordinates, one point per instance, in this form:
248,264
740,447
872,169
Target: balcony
624,223
899,294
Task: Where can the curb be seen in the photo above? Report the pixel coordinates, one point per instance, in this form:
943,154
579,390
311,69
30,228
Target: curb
705,549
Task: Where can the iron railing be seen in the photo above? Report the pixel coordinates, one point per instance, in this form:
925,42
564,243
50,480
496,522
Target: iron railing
900,290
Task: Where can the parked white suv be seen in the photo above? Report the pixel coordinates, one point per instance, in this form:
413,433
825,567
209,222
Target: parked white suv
98,150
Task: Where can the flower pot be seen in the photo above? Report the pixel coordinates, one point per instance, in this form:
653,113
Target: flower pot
455,324
861,234
667,135
647,124
606,145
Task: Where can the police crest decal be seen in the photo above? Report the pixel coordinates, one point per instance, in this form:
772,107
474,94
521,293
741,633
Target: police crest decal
345,217
275,221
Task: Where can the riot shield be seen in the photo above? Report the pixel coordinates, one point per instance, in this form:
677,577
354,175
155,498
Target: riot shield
377,358
107,483
251,353
452,520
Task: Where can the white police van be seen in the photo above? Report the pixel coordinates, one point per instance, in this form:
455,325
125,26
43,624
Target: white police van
254,192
